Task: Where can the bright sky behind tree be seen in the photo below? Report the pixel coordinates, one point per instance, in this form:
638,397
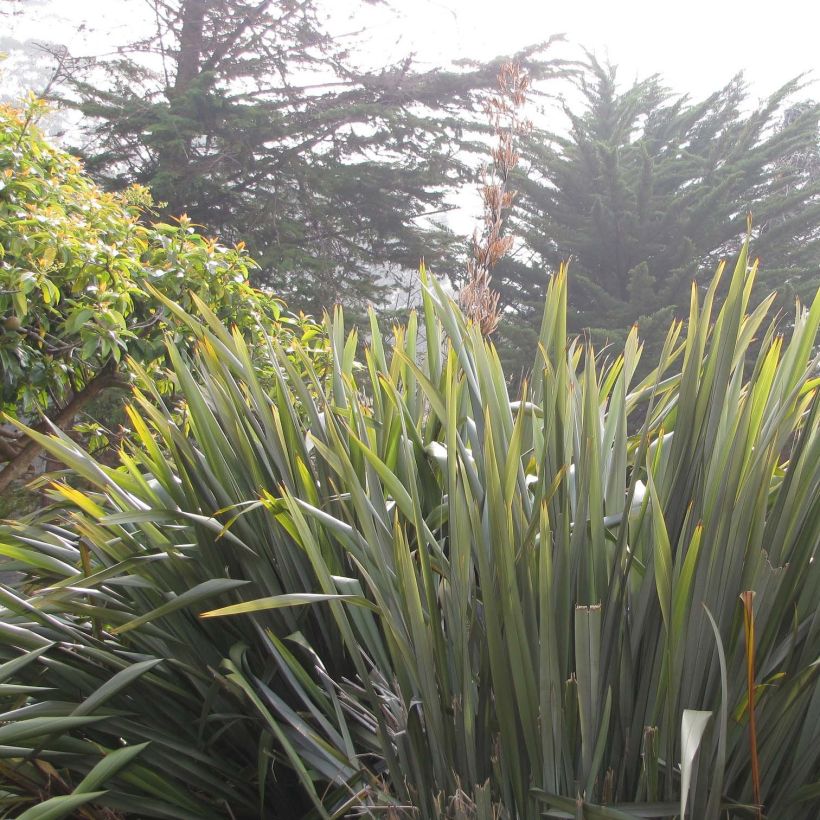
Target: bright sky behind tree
697,46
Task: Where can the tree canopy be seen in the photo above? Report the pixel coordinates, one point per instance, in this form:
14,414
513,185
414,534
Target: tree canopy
250,118
648,191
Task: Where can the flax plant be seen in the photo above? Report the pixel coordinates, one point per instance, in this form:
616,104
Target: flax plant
395,592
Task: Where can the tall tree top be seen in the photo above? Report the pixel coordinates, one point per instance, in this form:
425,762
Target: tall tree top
248,116
648,190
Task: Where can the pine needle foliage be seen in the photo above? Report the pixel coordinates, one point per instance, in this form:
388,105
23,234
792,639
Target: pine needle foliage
251,118
396,592
645,190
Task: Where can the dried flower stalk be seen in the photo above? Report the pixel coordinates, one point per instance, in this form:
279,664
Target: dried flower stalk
477,299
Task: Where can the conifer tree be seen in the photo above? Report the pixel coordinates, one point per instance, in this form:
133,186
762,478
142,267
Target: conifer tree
247,116
647,191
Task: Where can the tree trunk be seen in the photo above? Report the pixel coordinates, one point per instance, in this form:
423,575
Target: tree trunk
190,44
16,467
173,150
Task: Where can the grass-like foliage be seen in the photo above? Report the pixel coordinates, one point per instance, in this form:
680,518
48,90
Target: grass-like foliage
397,592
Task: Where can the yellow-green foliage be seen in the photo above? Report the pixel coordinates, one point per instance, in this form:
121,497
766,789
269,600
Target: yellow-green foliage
77,268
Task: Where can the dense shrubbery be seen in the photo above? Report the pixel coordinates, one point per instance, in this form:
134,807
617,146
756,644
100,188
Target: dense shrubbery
439,602
80,270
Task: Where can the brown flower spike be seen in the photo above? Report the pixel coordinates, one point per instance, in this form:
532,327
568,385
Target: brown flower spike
477,299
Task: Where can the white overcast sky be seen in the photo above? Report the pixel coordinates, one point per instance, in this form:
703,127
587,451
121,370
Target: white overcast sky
696,45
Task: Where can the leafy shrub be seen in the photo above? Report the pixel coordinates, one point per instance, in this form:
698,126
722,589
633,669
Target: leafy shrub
80,274
426,600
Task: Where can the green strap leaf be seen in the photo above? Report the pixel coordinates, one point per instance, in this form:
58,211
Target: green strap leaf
281,601
58,807
207,589
120,681
108,767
